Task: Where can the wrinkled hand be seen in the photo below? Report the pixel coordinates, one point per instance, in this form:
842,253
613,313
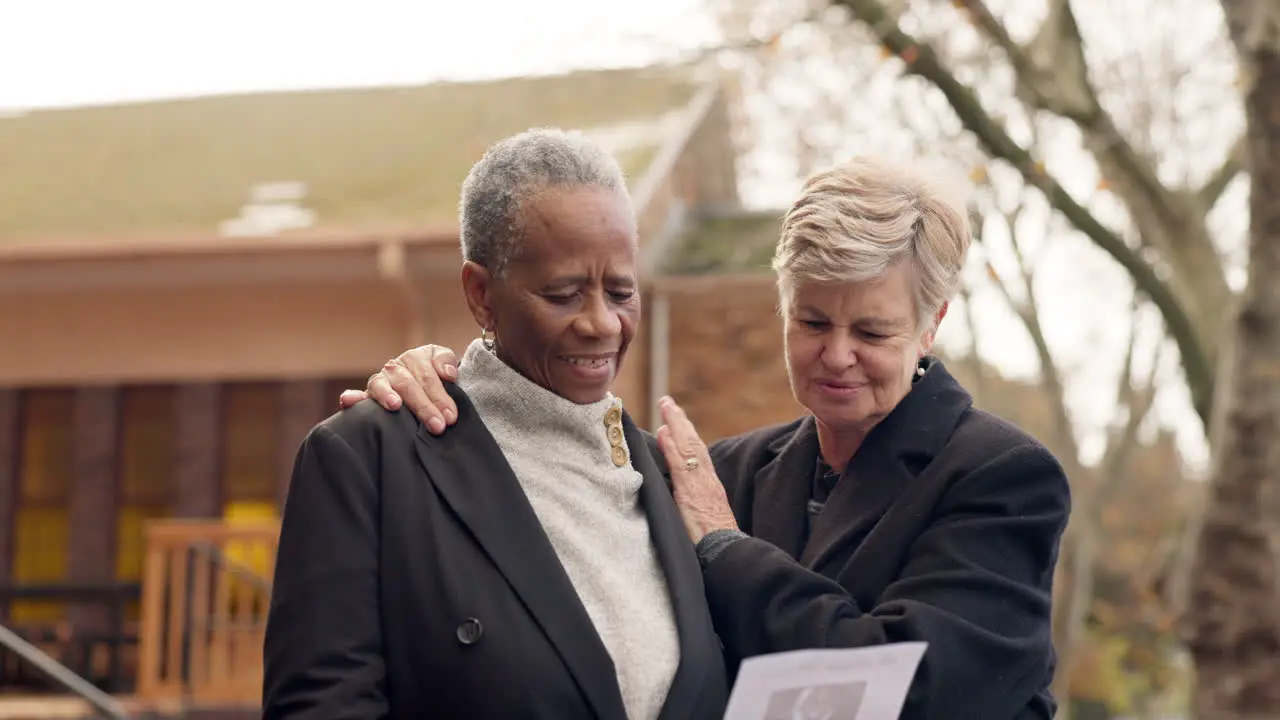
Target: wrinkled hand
700,497
414,378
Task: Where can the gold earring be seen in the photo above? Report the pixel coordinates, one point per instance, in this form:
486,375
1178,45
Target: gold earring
488,339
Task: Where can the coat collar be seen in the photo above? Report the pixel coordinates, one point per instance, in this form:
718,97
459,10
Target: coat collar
468,468
778,513
893,453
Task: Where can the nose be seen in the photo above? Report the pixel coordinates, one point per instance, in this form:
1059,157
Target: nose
840,351
597,319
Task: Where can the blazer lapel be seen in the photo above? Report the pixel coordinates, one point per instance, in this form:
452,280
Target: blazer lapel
869,485
779,511
471,474
890,458
684,576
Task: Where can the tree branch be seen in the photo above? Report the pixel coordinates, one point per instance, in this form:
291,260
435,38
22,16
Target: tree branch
923,62
1136,403
974,359
1254,26
1217,183
1086,111
1052,75
1029,313
1030,78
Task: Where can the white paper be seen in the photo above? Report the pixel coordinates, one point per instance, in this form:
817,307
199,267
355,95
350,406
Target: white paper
868,683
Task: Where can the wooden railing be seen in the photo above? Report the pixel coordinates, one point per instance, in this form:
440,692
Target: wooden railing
205,591
95,636
62,676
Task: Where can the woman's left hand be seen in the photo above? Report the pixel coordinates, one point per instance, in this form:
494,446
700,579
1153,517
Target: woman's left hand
698,493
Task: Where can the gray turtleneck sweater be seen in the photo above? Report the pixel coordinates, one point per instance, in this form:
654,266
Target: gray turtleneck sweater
591,511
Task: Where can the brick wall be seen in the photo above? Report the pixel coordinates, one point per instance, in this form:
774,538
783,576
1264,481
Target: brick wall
197,479
8,482
726,362
95,464
303,403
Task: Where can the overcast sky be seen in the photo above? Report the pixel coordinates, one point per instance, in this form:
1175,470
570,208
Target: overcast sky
68,52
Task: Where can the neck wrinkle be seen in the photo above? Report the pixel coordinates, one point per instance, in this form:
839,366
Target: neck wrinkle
838,448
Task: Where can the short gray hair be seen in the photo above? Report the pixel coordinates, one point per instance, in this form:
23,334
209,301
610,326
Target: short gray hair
511,173
853,222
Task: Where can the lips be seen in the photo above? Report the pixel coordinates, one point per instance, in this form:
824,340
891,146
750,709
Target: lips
588,362
840,384
840,390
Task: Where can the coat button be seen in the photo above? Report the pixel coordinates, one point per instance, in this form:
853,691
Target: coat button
469,631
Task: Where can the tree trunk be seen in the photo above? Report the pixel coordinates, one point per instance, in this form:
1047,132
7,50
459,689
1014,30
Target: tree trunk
1233,620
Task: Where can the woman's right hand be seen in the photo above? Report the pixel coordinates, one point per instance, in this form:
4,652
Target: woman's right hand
414,379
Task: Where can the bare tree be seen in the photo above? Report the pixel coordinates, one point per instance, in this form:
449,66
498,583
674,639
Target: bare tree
1234,631
1094,485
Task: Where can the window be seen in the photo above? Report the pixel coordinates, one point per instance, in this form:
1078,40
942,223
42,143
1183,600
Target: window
251,424
255,556
148,442
44,471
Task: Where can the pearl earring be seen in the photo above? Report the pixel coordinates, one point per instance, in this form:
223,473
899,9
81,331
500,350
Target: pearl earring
919,371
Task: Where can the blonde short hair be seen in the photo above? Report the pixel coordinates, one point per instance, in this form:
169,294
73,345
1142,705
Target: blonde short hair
853,222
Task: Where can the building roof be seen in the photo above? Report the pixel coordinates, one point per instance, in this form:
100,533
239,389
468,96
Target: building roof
367,157
735,243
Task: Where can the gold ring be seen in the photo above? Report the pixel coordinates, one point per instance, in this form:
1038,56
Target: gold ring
691,464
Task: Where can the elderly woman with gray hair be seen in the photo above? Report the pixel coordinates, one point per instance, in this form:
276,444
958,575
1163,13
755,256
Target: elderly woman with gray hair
893,510
530,562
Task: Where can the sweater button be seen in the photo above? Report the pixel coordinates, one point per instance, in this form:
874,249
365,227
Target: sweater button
469,631
619,456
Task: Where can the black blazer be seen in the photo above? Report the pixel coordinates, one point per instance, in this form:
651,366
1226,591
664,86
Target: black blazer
944,528
413,580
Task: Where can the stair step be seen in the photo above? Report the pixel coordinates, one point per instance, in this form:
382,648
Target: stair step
43,707
63,707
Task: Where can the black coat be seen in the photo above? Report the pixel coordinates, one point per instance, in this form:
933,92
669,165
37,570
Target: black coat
413,580
944,527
